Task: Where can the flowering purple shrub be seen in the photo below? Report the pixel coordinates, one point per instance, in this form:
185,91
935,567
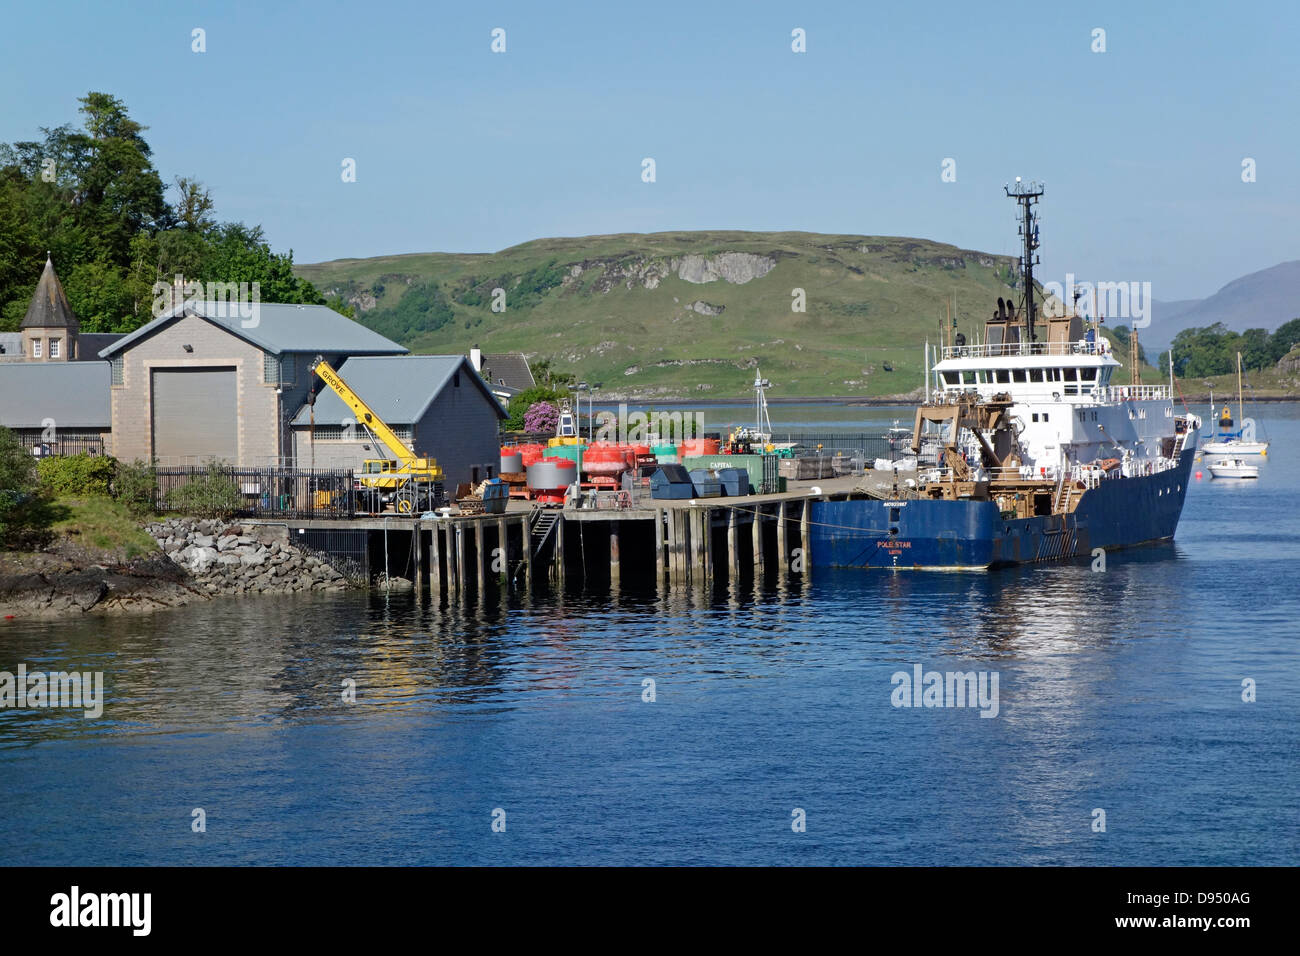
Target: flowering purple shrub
541,417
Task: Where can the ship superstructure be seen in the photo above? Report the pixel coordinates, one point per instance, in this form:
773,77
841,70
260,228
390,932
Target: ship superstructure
1040,455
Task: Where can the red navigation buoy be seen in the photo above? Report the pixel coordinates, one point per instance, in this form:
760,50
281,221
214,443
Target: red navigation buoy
1198,476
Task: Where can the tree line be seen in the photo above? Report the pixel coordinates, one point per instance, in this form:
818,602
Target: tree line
1212,350
92,198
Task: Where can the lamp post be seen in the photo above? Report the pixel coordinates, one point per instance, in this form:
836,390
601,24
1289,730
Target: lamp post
580,388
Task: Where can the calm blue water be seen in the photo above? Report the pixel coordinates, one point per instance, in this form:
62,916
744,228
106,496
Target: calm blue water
1118,690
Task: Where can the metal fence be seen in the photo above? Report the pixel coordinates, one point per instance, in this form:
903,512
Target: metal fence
865,445
60,445
256,492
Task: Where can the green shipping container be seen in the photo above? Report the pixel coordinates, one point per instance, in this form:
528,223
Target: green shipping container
753,465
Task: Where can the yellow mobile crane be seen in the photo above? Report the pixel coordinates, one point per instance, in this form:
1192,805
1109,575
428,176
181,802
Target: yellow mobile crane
409,483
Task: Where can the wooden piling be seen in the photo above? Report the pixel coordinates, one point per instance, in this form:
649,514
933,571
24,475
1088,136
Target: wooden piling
733,547
615,573
526,543
459,575
803,534
659,547
757,531
557,560
418,531
435,560
783,563
503,542
480,569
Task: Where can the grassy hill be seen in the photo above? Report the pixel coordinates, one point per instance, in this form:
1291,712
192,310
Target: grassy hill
687,315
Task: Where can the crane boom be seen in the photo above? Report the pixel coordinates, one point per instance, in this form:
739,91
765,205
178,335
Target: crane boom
407,460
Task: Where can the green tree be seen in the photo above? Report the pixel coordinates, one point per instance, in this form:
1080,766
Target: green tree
92,198
1284,339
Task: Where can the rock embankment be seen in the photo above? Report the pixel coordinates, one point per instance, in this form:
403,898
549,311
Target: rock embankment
226,558
199,559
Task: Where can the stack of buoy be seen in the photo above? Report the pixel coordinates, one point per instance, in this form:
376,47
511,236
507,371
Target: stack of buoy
699,446
549,478
606,459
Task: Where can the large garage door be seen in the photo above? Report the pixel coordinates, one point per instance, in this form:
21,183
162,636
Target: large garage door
194,414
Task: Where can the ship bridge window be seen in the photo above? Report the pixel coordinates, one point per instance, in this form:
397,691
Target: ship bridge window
968,378
1035,375
950,379
1017,375
1004,376
1088,374
1071,375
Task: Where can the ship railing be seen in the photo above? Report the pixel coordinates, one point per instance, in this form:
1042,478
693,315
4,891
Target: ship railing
1013,349
1010,473
1137,393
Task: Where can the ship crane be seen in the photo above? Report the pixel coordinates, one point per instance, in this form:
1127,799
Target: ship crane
410,483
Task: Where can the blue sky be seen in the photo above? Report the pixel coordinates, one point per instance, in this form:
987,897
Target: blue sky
463,150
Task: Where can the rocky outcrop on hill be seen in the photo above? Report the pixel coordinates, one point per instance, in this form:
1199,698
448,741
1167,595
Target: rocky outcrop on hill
734,267
647,272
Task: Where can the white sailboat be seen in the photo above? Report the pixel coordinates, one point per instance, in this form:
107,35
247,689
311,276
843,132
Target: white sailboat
1239,442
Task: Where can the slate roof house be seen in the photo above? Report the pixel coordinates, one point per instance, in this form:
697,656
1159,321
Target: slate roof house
53,387
507,373
437,404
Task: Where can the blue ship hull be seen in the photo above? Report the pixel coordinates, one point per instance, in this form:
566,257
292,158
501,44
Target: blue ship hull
930,534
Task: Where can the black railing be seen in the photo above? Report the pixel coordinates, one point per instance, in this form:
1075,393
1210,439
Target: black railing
868,445
256,492
62,446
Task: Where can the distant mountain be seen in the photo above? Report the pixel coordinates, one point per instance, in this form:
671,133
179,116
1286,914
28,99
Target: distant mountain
1261,300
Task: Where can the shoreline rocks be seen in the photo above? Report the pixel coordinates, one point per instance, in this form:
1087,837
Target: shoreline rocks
230,558
199,559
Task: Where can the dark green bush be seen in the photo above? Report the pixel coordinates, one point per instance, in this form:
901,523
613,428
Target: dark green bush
23,514
135,486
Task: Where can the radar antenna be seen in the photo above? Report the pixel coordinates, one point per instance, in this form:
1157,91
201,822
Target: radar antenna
1027,195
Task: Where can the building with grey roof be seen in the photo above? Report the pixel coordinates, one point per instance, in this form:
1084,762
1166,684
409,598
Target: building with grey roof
204,382
57,406
507,373
437,404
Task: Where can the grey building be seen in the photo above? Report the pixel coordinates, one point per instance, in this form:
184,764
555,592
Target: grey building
437,404
201,382
57,406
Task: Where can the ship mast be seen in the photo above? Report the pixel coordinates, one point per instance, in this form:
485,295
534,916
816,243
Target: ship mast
1027,195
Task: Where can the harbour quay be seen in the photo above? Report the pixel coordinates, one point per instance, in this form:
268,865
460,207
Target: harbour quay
596,539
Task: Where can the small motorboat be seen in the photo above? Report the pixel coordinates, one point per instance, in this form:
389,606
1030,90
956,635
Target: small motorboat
1233,468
